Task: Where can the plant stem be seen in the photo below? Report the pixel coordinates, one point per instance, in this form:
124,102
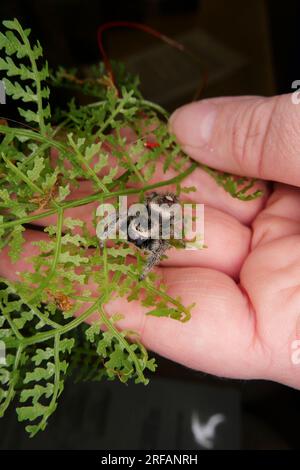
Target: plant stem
123,342
11,390
55,259
40,111
21,175
90,171
52,405
45,336
15,330
164,295
139,102
97,196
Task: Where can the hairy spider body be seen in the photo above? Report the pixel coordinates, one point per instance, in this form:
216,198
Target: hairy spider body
146,232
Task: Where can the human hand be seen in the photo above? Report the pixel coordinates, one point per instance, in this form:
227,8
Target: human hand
245,283
249,328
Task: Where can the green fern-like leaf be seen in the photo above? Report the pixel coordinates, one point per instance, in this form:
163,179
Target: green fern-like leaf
53,369
15,43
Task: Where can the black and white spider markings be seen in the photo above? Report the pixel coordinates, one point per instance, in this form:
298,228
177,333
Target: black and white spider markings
159,213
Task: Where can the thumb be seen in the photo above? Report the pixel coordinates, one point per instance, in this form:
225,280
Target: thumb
250,136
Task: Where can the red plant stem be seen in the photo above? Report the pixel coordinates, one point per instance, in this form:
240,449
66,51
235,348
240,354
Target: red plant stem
141,27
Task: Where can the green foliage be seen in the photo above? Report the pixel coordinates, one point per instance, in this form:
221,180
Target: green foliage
43,315
237,186
92,85
21,61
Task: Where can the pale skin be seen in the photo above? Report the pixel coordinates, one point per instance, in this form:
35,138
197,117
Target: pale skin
246,284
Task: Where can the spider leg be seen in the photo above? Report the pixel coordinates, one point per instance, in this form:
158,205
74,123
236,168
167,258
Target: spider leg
159,247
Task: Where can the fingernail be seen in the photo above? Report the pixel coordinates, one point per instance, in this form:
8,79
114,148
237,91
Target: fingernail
193,123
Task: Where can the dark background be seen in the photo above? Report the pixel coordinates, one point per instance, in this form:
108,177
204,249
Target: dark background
247,47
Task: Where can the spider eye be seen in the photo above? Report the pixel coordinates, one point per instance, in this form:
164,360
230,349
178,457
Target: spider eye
139,242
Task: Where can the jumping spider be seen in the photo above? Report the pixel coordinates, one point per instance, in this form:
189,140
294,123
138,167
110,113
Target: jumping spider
138,232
